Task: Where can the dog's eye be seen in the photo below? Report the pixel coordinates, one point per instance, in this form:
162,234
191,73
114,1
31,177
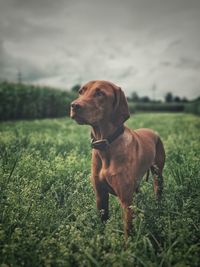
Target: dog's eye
98,93
80,92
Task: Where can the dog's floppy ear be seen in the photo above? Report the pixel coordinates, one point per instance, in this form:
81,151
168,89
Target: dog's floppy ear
120,110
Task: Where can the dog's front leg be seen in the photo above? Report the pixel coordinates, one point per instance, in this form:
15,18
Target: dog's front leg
128,218
102,195
124,189
102,202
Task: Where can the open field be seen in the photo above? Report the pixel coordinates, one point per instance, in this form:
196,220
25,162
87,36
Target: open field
47,206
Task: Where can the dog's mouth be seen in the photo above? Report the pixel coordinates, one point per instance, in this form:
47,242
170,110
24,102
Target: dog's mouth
78,118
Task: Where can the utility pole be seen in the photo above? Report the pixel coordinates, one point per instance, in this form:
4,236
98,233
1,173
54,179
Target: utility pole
19,77
154,92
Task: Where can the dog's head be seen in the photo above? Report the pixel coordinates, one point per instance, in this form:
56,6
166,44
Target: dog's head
100,101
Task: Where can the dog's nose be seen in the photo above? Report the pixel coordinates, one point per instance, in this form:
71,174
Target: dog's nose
75,106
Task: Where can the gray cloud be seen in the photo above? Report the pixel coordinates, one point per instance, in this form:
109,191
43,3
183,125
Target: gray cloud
134,43
188,63
183,63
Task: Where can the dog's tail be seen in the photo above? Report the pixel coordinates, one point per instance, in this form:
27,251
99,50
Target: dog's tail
147,175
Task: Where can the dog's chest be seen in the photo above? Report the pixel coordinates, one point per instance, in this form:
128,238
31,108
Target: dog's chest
111,168
104,174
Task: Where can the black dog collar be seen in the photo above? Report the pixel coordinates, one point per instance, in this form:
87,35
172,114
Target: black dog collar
104,143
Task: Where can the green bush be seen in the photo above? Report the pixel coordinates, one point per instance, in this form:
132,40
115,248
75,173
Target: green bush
193,107
158,107
18,101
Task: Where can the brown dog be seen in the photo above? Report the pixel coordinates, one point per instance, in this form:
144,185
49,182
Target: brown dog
120,156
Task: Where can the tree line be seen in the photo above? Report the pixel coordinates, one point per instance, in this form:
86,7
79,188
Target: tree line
21,101
169,98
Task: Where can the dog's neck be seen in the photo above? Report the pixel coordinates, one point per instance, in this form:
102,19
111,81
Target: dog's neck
101,140
103,130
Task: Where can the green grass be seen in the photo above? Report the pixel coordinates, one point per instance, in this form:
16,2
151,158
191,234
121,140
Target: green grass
47,205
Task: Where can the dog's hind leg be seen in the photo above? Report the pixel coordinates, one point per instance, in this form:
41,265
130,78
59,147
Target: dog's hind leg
157,169
157,181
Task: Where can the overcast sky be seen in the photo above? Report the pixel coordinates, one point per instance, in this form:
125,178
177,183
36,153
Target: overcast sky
137,44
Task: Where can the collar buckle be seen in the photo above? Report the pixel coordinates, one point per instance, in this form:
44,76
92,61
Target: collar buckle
104,143
100,144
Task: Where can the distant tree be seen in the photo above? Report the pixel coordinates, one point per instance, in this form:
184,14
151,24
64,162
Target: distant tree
75,88
169,97
177,99
145,99
184,99
197,99
134,97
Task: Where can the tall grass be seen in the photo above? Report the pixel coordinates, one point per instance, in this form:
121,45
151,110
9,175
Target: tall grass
19,101
47,205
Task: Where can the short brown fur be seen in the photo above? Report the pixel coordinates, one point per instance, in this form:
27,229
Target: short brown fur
119,169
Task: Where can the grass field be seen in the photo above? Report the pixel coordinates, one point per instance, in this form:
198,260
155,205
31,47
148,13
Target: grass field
47,206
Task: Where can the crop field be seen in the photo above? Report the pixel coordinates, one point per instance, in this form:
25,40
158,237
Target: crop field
48,213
